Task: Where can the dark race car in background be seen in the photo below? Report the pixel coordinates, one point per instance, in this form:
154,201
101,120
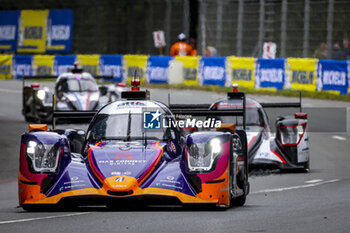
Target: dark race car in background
75,91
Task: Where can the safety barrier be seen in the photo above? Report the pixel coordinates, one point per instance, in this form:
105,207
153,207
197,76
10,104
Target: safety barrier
306,74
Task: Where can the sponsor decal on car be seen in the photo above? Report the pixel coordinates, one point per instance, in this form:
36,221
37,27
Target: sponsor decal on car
122,162
119,179
128,156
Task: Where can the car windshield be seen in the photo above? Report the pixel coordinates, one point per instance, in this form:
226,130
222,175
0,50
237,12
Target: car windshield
80,85
252,118
125,127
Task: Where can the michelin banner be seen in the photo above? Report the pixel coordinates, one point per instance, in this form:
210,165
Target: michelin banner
32,31
292,73
8,30
62,63
332,76
89,63
5,66
212,71
59,31
301,74
241,70
158,69
42,65
112,65
36,31
135,65
190,69
270,73
22,64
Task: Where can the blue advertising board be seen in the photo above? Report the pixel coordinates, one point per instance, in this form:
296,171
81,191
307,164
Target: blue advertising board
270,73
9,30
59,31
158,69
111,65
62,63
333,76
22,64
212,71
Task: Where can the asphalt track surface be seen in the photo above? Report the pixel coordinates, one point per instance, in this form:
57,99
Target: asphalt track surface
318,201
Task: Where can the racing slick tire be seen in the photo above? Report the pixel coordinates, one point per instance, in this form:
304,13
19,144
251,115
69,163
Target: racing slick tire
240,201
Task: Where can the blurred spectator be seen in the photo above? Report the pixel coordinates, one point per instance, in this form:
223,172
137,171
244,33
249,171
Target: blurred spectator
337,52
321,52
211,52
346,49
181,47
194,48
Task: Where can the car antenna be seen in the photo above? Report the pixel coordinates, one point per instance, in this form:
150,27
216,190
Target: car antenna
300,101
53,111
145,135
129,127
144,138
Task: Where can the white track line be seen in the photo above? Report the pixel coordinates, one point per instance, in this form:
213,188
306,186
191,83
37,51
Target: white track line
41,218
10,91
313,181
339,138
295,187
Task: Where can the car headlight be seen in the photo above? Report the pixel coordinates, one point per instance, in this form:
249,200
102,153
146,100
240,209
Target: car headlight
44,157
291,135
201,156
41,94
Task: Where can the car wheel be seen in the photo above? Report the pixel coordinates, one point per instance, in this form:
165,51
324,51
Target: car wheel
240,201
307,167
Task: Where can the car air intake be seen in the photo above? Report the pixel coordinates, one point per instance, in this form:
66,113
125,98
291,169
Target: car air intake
120,193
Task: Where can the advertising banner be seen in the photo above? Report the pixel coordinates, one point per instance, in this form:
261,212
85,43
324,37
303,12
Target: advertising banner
62,63
59,31
212,71
89,63
22,64
135,65
190,66
5,66
270,73
42,65
332,76
241,70
301,74
32,31
112,65
8,30
158,69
